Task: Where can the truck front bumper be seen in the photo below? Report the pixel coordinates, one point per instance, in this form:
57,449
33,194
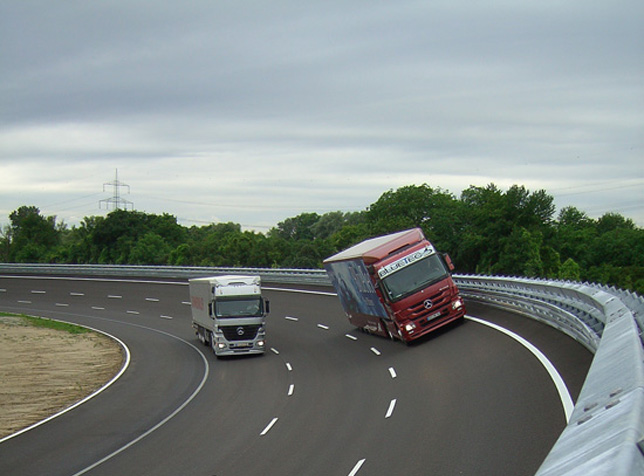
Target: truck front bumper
223,347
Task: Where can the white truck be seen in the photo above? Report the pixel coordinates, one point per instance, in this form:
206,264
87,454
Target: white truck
229,314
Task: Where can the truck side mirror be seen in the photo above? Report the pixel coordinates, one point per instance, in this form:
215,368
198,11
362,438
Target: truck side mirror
268,306
448,261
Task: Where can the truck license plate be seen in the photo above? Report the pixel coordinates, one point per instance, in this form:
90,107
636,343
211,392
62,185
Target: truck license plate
433,316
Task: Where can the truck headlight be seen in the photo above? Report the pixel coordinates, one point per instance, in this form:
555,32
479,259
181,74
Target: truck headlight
260,343
457,304
410,327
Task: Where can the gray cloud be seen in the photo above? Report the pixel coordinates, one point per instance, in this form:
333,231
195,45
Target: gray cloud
256,111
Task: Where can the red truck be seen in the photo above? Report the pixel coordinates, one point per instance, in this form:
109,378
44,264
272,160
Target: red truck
396,286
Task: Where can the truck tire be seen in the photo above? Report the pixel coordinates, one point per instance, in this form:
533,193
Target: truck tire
211,338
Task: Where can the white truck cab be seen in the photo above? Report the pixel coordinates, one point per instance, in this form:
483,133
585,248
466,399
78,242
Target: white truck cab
229,314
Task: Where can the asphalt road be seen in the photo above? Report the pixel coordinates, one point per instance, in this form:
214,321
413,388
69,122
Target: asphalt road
325,400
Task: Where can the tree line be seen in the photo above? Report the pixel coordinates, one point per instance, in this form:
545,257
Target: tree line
486,231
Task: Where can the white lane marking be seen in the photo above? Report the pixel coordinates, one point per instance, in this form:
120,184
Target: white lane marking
76,294
136,313
166,419
322,326
375,351
289,367
98,308
36,291
351,337
61,304
269,426
275,351
114,296
291,389
152,299
187,303
3,290
165,317
392,372
126,364
24,302
390,410
301,291
564,395
291,318
357,467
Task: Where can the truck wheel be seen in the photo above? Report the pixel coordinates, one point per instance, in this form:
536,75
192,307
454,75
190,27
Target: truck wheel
212,342
203,336
389,334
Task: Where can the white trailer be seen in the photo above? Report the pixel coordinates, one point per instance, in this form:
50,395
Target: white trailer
229,314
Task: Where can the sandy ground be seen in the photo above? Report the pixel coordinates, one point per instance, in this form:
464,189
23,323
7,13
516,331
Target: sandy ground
43,371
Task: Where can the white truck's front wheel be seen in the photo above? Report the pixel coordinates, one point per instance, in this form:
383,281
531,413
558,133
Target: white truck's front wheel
213,344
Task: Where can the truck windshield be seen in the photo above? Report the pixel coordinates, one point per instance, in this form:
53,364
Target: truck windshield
252,307
414,277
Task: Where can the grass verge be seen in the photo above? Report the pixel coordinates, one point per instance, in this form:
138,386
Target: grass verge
47,323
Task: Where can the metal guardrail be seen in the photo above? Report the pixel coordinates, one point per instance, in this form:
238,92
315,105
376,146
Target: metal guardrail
605,434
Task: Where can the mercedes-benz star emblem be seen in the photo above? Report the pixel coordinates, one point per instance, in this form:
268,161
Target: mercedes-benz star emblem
428,303
240,331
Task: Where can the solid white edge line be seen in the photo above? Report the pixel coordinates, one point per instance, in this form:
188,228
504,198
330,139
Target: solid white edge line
390,410
126,364
562,389
166,419
357,467
269,426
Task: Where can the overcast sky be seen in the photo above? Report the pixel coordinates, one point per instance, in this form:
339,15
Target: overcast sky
256,111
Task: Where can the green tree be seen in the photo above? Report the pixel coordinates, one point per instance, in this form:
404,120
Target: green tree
32,235
520,256
149,249
570,271
574,232
300,227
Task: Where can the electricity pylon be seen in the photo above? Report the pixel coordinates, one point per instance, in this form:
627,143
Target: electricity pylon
116,202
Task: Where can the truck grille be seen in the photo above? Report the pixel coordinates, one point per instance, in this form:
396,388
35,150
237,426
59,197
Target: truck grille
240,332
422,315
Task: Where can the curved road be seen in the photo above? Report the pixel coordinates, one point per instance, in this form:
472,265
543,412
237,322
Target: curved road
326,399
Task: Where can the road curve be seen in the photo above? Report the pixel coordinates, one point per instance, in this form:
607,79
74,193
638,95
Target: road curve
326,399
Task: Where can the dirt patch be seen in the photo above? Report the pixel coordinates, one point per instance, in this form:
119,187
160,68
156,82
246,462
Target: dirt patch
43,371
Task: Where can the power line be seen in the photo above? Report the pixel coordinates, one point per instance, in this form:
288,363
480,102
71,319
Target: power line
116,201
